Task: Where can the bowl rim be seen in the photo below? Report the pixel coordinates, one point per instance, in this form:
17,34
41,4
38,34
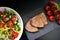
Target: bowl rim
20,20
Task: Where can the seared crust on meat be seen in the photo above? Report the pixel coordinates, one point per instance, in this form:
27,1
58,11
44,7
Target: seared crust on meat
44,19
37,21
30,28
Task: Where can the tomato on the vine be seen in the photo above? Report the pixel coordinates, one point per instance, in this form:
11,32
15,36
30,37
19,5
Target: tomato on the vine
51,18
56,12
47,8
54,7
58,16
51,2
49,13
58,21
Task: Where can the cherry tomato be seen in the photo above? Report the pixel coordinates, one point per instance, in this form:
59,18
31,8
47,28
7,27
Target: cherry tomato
9,24
12,38
15,34
56,12
1,25
58,16
58,21
49,13
47,8
51,3
51,18
54,7
13,18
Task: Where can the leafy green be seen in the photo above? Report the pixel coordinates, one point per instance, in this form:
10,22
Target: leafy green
11,12
8,13
5,11
9,36
17,28
5,32
1,39
58,6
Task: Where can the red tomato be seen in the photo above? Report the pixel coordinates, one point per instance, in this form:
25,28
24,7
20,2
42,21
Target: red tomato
58,16
51,3
51,18
11,32
15,34
12,38
9,24
13,18
47,8
49,13
54,7
56,12
1,25
1,13
58,21
5,19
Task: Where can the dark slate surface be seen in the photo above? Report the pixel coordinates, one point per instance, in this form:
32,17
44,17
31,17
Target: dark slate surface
51,25
53,35
27,9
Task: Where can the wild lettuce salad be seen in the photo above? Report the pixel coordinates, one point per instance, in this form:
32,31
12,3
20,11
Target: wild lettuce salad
9,25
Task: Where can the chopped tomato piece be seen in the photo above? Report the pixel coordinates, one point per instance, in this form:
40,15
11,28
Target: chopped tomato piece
11,32
1,25
5,19
1,13
9,24
12,38
13,18
15,34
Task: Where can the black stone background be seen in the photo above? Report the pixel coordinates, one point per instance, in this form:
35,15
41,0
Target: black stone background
23,7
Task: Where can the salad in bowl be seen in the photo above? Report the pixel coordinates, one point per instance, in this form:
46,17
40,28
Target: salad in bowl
11,24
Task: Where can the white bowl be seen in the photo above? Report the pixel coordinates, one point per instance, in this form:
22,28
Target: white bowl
20,20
